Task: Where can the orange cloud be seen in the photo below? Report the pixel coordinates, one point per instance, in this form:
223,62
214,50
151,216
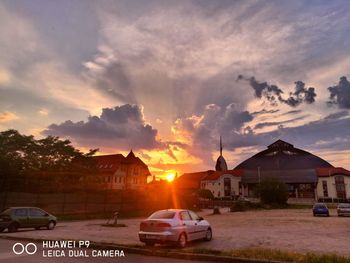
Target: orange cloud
8,116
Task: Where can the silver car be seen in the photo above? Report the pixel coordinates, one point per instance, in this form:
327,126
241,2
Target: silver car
177,226
343,209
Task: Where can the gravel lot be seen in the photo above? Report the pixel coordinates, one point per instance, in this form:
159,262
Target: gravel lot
293,230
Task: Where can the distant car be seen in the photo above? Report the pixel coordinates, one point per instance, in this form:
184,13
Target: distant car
26,217
177,226
343,209
320,209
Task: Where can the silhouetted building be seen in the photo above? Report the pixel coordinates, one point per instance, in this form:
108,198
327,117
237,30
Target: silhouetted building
121,172
300,170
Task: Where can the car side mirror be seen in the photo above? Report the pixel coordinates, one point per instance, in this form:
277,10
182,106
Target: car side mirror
200,218
46,214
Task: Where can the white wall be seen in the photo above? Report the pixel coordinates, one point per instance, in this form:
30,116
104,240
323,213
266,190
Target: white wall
332,193
216,186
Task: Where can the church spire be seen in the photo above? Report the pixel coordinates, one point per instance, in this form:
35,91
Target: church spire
220,146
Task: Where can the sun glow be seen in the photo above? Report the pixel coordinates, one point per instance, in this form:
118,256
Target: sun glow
170,177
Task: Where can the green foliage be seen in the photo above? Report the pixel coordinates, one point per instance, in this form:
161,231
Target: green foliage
25,161
272,191
205,193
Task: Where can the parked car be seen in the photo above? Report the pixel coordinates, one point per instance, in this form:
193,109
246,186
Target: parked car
343,209
26,217
177,226
320,209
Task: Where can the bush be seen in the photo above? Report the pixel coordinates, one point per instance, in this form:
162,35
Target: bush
239,206
205,193
216,211
272,191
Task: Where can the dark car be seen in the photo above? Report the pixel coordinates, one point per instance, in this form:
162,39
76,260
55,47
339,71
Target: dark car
343,209
320,209
26,217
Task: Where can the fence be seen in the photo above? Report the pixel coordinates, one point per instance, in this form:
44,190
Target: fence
85,202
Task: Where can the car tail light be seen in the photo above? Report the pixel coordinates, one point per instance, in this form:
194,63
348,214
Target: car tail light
143,225
163,225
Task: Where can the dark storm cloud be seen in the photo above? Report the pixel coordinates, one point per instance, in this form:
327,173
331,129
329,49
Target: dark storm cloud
115,82
277,123
274,94
122,127
340,93
264,111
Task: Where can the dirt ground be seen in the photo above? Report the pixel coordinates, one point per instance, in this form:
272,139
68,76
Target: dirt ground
285,229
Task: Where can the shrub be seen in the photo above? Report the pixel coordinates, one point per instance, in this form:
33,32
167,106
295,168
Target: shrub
205,193
272,191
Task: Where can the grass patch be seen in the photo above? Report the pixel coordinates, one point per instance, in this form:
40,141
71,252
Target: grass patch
274,255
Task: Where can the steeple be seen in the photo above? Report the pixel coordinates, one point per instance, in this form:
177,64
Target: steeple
221,164
220,146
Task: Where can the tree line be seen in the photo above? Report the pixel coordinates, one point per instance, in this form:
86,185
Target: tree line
47,164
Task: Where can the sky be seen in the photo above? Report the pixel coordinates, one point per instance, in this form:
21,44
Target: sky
167,78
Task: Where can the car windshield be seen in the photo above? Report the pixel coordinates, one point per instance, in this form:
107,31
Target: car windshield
163,215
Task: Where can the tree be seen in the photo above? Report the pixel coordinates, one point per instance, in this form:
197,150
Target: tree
24,159
272,191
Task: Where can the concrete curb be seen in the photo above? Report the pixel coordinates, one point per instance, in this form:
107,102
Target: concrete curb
155,252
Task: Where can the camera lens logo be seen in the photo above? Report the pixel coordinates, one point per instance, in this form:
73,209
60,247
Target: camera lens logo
19,248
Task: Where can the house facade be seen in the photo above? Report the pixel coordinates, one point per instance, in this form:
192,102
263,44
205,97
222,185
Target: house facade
119,172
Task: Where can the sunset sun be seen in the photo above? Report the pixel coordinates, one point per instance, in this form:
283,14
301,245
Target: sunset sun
170,177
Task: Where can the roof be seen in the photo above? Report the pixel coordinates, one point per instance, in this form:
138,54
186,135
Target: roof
324,172
191,180
286,176
110,163
217,174
282,155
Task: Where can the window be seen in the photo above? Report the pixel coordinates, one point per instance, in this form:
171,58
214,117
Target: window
21,212
36,212
163,214
193,215
184,215
325,188
340,186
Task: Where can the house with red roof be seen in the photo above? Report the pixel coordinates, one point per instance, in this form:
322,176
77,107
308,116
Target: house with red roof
119,172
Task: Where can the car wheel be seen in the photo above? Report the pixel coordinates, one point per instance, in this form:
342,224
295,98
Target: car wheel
208,235
327,214
37,228
2,229
51,225
13,227
150,244
182,242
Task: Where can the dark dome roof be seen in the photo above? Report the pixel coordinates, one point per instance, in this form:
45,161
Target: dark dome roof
283,156
221,164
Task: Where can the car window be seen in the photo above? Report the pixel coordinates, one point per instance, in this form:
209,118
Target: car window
21,212
163,215
194,215
184,215
36,212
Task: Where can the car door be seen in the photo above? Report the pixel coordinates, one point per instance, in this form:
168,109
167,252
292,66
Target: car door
189,225
37,217
200,225
21,216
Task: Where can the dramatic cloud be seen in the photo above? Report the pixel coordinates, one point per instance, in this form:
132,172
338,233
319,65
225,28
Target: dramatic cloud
277,123
122,127
273,93
340,94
